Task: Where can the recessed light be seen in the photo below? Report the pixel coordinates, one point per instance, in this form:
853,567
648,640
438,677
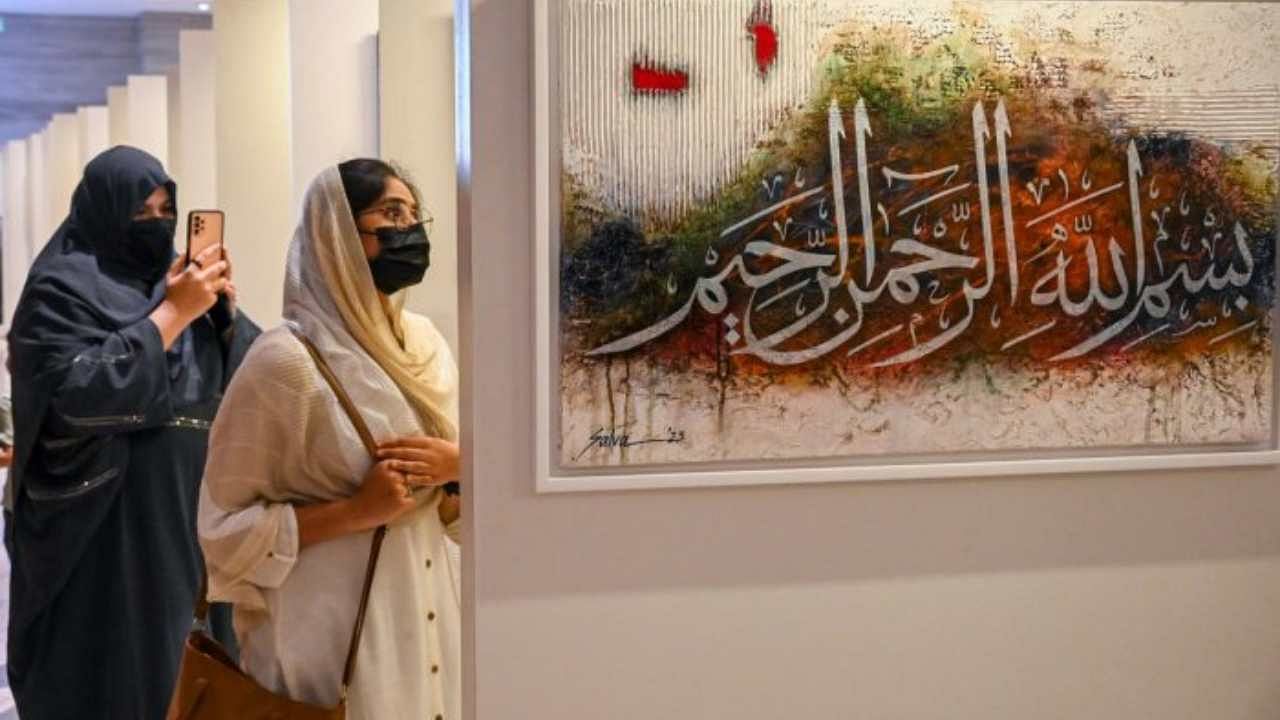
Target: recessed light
203,7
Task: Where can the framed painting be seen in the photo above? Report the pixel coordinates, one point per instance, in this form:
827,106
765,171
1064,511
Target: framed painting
821,240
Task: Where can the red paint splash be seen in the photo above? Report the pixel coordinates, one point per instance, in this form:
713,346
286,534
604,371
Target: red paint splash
651,80
766,40
764,35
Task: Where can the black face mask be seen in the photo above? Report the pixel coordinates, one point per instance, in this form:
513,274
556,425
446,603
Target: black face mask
403,259
150,244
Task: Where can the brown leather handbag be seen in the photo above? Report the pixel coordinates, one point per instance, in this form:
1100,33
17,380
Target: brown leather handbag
211,686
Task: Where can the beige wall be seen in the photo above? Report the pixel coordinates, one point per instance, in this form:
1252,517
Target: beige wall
1107,597
334,81
326,53
16,257
173,125
62,164
195,148
417,131
39,227
251,53
93,132
117,115
148,116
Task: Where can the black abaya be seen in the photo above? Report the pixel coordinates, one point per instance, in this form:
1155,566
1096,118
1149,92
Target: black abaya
111,439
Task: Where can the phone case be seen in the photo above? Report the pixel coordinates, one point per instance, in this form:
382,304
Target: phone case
204,228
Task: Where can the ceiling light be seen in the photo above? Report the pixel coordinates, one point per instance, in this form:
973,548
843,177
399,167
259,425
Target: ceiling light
203,7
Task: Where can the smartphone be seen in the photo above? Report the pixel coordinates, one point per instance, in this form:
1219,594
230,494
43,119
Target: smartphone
204,229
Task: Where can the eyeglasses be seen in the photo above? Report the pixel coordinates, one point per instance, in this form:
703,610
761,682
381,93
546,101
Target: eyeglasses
400,215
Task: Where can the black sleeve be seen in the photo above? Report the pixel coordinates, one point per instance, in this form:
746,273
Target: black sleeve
117,384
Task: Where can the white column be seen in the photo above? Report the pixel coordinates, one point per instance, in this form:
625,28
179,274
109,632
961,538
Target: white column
333,50
195,147
173,113
38,230
94,130
63,168
149,115
17,251
251,47
118,115
415,69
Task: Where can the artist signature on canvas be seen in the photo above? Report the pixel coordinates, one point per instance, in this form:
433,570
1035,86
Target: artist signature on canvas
611,439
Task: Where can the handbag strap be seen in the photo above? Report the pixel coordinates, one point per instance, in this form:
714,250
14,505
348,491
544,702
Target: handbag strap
375,548
366,438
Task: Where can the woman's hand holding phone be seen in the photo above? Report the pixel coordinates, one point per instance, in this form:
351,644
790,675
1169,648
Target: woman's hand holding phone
189,292
195,288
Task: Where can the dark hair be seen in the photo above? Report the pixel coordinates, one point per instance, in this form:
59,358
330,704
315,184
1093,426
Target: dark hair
365,179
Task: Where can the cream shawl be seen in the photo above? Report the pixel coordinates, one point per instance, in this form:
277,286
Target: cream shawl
281,436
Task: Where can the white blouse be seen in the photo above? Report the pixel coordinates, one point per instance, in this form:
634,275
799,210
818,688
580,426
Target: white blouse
295,610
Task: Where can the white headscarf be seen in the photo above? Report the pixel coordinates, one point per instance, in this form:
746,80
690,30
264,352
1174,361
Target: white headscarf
329,293
281,438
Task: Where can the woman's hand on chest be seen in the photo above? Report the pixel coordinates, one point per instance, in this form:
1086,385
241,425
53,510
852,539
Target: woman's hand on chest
423,456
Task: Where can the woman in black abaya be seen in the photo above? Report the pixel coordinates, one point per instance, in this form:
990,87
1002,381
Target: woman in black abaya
120,357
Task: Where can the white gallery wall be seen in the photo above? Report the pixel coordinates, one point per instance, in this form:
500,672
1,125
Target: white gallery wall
333,65
148,115
297,91
1109,596
17,252
94,131
62,164
38,224
252,125
194,148
173,127
118,115
415,79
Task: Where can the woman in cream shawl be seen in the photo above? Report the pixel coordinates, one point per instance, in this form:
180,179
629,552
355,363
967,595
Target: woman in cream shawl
290,497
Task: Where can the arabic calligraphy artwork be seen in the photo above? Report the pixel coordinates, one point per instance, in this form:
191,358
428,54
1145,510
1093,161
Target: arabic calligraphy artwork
859,231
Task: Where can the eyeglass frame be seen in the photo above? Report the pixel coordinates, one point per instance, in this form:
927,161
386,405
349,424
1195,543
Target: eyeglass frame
421,216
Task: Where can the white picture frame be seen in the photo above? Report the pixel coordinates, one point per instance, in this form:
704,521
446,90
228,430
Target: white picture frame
551,478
